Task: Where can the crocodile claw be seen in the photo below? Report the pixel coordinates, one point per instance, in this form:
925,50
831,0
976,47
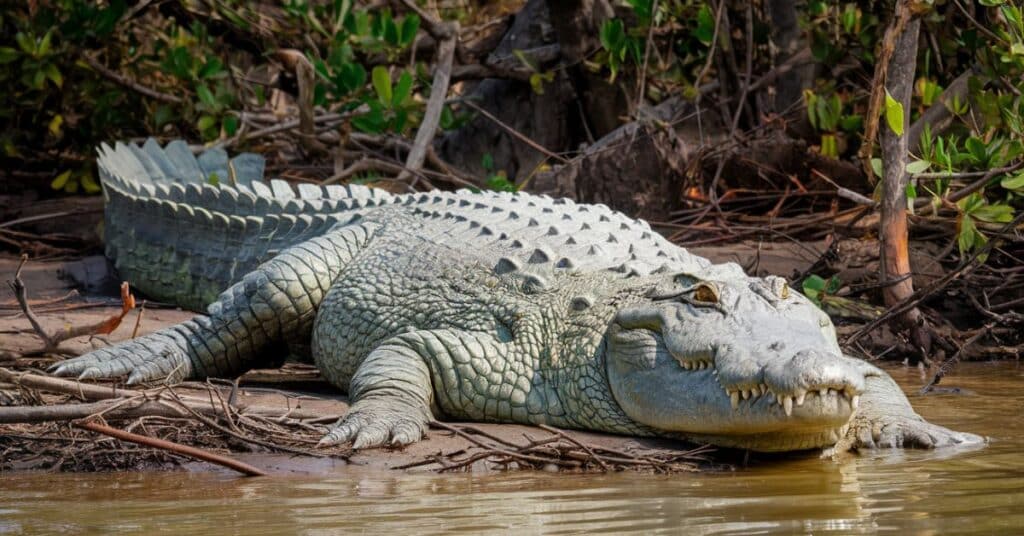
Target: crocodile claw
907,431
378,423
150,358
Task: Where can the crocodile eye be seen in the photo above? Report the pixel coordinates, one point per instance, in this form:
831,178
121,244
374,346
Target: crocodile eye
705,293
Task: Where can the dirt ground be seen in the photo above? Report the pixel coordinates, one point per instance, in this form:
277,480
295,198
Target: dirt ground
288,391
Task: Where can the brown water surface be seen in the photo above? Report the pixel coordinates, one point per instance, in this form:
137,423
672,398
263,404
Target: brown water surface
909,492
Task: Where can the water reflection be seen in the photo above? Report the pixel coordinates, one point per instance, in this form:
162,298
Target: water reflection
976,491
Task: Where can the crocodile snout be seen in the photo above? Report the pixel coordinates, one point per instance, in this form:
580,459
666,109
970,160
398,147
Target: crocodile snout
827,382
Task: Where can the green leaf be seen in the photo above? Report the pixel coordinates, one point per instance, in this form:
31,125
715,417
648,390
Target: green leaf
164,114
918,166
400,121
54,74
212,67
27,44
971,203
55,125
705,30
876,166
410,25
1015,182
371,122
61,180
977,150
391,33
206,96
7,55
89,183
351,76
613,35
911,192
487,162
382,84
403,89
966,236
44,44
994,213
206,122
39,79
851,123
834,284
893,114
230,124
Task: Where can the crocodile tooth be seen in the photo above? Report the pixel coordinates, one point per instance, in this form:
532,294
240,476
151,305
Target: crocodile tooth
823,391
734,397
764,387
855,401
849,392
746,394
800,398
787,404
687,365
756,390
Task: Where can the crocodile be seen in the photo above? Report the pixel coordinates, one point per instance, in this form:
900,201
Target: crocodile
476,306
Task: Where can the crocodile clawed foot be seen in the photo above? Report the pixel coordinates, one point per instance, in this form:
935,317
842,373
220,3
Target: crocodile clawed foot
906,431
378,423
150,358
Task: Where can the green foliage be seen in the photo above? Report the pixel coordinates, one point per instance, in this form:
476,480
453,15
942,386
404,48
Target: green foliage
687,28
817,289
825,113
496,180
203,61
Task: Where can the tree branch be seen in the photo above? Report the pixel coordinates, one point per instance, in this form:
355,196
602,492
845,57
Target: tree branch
129,83
438,95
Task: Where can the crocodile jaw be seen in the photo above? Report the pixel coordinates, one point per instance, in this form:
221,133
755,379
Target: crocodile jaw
759,375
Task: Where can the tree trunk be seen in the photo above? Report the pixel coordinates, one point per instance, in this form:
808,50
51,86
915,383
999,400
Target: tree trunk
895,265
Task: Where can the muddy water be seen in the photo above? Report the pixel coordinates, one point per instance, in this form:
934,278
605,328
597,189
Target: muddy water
914,492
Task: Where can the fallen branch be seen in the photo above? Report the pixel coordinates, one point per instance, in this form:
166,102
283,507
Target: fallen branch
176,448
114,409
52,340
560,449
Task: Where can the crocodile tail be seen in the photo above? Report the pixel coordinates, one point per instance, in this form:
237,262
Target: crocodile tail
182,228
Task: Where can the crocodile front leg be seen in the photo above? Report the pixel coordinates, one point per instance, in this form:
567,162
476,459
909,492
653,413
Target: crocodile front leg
410,378
274,304
885,419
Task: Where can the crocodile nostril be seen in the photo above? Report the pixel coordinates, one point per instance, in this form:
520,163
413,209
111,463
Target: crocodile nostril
777,346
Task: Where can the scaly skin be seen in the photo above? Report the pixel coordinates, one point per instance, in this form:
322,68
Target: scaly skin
480,306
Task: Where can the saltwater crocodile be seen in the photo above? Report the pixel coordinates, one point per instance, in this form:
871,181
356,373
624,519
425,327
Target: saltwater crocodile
477,306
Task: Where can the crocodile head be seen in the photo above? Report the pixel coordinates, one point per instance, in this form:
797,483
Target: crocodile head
735,361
